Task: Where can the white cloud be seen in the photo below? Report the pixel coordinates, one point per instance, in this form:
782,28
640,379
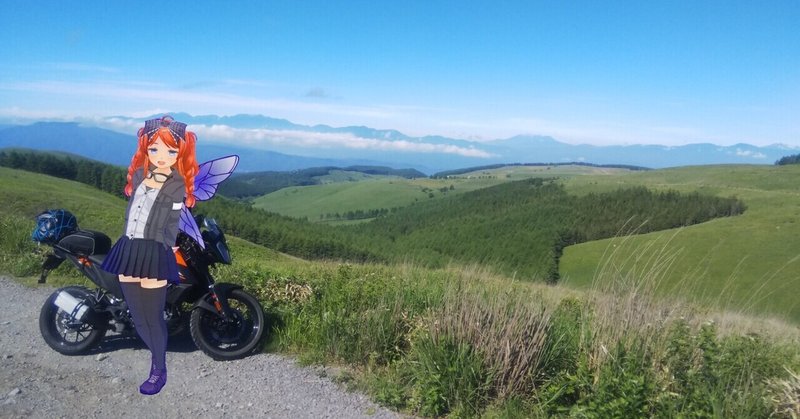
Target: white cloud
308,139
750,153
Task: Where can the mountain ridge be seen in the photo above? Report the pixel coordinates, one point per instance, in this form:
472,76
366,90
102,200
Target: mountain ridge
279,144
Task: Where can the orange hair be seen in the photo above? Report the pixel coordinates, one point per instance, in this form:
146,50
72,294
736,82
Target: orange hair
186,164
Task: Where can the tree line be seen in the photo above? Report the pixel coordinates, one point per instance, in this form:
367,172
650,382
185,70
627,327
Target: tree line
103,176
285,234
358,214
793,159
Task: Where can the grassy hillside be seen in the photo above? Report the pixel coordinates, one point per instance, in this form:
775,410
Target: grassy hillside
748,263
322,202
248,185
463,342
344,192
25,194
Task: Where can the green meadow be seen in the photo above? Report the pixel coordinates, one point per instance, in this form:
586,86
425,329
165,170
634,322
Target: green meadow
747,264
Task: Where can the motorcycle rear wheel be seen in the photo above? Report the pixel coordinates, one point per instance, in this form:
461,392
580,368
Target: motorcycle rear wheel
62,333
225,340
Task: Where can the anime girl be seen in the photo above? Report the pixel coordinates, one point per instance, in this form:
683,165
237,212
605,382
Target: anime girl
160,187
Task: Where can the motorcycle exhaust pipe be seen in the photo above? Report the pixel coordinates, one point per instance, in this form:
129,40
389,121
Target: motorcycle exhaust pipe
75,308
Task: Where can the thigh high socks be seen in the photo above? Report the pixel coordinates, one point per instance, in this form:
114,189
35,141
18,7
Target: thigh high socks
147,312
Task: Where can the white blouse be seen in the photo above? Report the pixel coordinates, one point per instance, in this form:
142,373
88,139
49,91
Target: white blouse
143,200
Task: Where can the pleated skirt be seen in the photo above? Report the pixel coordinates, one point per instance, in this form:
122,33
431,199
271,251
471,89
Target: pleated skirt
141,258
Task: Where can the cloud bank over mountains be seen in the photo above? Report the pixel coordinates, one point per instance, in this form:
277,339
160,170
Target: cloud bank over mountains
267,138
262,132
267,143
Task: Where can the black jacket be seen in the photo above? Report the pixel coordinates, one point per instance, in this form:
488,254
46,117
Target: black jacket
162,223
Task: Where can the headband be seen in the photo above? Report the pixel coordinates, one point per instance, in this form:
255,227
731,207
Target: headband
177,129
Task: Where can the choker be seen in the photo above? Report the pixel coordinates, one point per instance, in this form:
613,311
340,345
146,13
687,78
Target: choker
158,177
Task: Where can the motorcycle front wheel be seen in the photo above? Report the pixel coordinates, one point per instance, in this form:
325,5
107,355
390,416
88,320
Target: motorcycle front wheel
227,339
63,333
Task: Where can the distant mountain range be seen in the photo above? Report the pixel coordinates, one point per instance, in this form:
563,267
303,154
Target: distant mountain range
280,145
115,148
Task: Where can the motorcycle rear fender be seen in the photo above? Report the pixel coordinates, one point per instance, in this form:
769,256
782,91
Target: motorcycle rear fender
222,289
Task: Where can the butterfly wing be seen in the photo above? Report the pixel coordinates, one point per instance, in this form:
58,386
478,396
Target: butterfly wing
190,227
211,174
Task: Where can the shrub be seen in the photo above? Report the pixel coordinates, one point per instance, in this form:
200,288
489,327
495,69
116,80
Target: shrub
625,388
389,388
360,314
447,377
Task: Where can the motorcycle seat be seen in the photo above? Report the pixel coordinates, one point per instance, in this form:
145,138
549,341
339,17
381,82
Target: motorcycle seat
86,243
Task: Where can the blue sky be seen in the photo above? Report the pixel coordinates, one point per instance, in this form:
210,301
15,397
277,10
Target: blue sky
593,72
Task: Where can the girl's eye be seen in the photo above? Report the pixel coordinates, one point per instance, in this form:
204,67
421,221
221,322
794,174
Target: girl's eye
154,150
173,153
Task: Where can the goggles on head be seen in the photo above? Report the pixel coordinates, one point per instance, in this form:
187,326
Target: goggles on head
178,129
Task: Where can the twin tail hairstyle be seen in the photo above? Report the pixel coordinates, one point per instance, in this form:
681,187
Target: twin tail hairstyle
174,135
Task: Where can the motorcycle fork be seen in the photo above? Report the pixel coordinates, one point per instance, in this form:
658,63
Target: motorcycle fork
216,301
220,305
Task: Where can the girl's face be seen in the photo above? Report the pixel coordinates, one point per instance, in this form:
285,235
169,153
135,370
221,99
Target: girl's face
162,156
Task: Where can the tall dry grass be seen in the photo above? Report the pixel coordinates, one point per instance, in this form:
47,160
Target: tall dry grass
785,396
507,326
628,294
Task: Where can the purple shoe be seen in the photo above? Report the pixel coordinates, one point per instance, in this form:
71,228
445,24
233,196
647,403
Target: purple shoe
154,384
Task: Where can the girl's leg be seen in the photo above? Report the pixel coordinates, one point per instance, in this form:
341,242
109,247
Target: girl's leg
132,292
146,303
152,309
153,313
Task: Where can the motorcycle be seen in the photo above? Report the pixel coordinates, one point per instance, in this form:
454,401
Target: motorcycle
224,320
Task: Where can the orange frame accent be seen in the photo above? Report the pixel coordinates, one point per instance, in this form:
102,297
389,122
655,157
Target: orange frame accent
179,258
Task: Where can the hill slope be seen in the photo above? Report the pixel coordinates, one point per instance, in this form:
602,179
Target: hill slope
25,194
747,263
245,185
369,196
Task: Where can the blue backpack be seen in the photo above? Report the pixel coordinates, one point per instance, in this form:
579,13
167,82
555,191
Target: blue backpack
53,225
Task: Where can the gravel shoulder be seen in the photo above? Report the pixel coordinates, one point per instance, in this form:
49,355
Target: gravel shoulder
36,381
